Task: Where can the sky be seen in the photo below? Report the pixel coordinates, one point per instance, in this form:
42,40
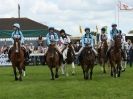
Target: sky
70,14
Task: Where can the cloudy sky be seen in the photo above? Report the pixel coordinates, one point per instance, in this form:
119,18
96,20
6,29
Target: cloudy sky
70,14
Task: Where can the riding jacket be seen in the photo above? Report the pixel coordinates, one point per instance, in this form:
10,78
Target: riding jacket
103,37
65,40
113,32
52,37
87,39
17,34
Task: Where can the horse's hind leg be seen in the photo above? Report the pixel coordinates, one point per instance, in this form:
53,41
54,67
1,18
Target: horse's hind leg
15,73
52,74
56,75
104,70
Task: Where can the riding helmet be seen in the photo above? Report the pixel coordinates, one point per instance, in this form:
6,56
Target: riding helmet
16,25
103,29
114,25
51,28
62,31
87,29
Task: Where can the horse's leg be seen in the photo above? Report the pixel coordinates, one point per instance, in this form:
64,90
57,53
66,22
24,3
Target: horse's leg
24,74
52,74
91,72
87,73
20,73
119,69
15,73
56,74
111,73
66,70
83,72
73,68
63,69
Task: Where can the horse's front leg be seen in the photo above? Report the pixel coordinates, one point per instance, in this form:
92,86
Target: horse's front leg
52,74
119,69
20,73
63,69
104,70
87,73
91,72
83,72
24,74
56,74
73,68
15,73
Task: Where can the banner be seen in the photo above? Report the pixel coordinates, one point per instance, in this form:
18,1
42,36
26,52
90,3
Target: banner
4,59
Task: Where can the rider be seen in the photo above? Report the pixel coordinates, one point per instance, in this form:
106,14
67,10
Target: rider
87,39
103,36
113,33
65,40
52,37
17,34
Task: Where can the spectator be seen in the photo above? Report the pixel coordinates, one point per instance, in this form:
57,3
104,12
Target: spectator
40,41
130,53
31,47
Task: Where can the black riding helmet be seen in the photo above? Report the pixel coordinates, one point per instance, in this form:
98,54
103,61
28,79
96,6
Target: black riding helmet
87,29
103,29
114,25
62,31
51,28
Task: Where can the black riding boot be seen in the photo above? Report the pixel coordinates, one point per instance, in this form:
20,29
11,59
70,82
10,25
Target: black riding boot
9,54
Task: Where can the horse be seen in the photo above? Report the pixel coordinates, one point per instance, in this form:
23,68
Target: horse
69,57
125,50
53,60
115,57
102,54
17,59
87,62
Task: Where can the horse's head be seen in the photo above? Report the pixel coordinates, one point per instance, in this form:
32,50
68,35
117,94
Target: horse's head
117,40
16,45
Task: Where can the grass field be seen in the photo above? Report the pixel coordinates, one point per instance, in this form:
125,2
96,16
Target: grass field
37,85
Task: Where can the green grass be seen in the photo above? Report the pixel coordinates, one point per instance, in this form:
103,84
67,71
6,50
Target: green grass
37,85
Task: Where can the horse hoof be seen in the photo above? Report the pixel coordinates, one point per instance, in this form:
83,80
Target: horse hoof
16,79
52,78
56,76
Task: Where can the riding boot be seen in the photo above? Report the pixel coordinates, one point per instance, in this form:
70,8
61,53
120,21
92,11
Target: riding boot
9,54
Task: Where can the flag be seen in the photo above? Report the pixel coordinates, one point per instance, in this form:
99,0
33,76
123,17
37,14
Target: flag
18,11
80,28
124,6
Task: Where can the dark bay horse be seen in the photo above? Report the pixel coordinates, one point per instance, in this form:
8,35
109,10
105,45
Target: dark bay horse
17,59
102,54
87,62
53,60
69,57
115,57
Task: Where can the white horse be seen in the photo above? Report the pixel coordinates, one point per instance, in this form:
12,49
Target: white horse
125,49
68,60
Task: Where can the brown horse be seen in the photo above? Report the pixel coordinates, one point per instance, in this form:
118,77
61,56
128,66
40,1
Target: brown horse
115,57
53,60
87,62
102,54
17,59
